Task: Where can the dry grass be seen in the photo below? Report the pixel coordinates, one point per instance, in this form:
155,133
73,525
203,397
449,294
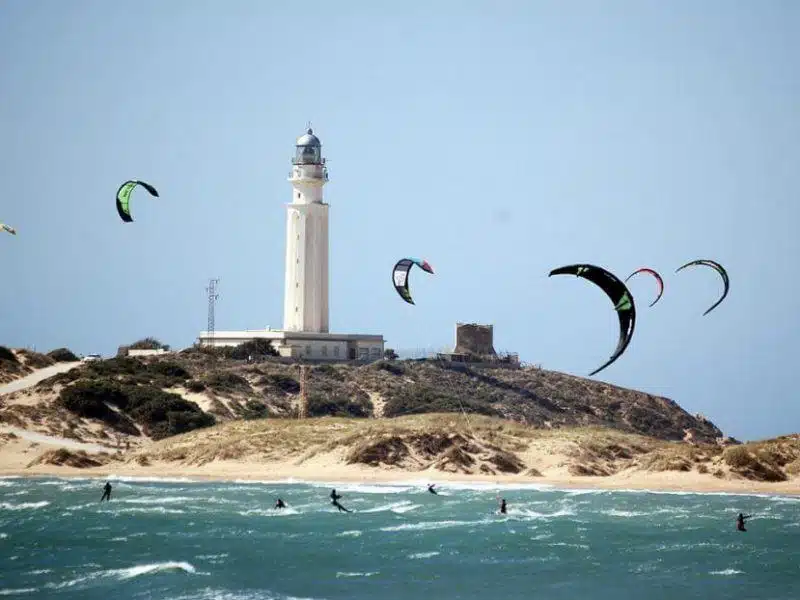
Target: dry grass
67,458
444,442
769,460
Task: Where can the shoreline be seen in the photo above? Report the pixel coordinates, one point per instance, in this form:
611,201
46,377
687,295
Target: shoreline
665,483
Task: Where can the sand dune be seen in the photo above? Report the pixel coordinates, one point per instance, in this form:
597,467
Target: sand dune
421,448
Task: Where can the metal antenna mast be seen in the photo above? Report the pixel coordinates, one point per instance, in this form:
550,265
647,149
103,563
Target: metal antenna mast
212,300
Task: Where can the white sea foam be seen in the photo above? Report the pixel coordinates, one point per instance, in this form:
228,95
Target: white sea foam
350,533
128,573
23,505
428,525
396,507
217,594
152,509
726,572
418,555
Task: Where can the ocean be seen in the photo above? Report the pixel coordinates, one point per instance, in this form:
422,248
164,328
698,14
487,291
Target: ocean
183,540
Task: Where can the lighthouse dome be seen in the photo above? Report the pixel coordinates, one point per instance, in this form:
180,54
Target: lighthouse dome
308,139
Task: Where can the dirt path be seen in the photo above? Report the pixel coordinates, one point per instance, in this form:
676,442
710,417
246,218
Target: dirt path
50,440
36,377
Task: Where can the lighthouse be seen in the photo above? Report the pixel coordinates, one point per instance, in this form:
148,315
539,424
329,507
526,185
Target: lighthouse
305,303
305,334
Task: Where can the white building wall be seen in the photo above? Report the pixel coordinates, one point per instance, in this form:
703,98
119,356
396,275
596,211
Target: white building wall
145,352
307,261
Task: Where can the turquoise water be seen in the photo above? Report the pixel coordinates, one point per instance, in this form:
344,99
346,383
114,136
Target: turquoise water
184,540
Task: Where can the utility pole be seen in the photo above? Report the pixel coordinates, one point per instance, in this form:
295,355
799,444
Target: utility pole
302,411
212,300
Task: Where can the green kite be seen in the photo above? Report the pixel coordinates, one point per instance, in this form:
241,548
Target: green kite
124,197
619,295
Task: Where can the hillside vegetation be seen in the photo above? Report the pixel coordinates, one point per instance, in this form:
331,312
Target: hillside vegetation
409,415
173,393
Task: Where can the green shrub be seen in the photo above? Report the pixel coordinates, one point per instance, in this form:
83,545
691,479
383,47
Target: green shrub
63,355
321,405
738,457
258,347
419,399
35,360
170,370
148,343
253,409
179,422
161,413
195,386
8,355
90,399
284,383
389,367
123,365
326,369
224,381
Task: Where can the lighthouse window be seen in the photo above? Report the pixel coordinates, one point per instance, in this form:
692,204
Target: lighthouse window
308,350
336,350
324,351
298,194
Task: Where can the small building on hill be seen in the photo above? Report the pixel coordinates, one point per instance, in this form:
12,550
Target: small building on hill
475,345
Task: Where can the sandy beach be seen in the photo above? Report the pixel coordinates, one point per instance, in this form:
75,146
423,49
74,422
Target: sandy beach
17,454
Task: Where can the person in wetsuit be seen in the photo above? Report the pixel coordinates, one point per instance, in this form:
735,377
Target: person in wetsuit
740,521
280,504
106,492
430,488
335,501
503,506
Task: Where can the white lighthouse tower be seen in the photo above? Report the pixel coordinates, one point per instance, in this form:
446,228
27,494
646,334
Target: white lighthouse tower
305,303
305,334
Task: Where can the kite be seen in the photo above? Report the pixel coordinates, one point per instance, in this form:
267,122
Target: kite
400,275
8,228
719,269
124,197
654,274
619,295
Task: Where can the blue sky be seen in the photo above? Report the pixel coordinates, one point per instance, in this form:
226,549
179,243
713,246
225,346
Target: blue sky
497,140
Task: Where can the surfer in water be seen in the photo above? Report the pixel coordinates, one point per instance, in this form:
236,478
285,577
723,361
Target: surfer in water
106,493
431,490
280,504
740,521
503,506
335,501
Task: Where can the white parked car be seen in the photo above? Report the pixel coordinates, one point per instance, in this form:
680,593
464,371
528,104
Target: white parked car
89,357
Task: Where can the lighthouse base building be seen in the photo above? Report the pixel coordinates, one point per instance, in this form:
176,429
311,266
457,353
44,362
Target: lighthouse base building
305,331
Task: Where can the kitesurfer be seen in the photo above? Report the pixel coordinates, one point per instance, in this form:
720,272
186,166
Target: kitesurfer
280,504
431,490
503,506
740,521
335,501
106,492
